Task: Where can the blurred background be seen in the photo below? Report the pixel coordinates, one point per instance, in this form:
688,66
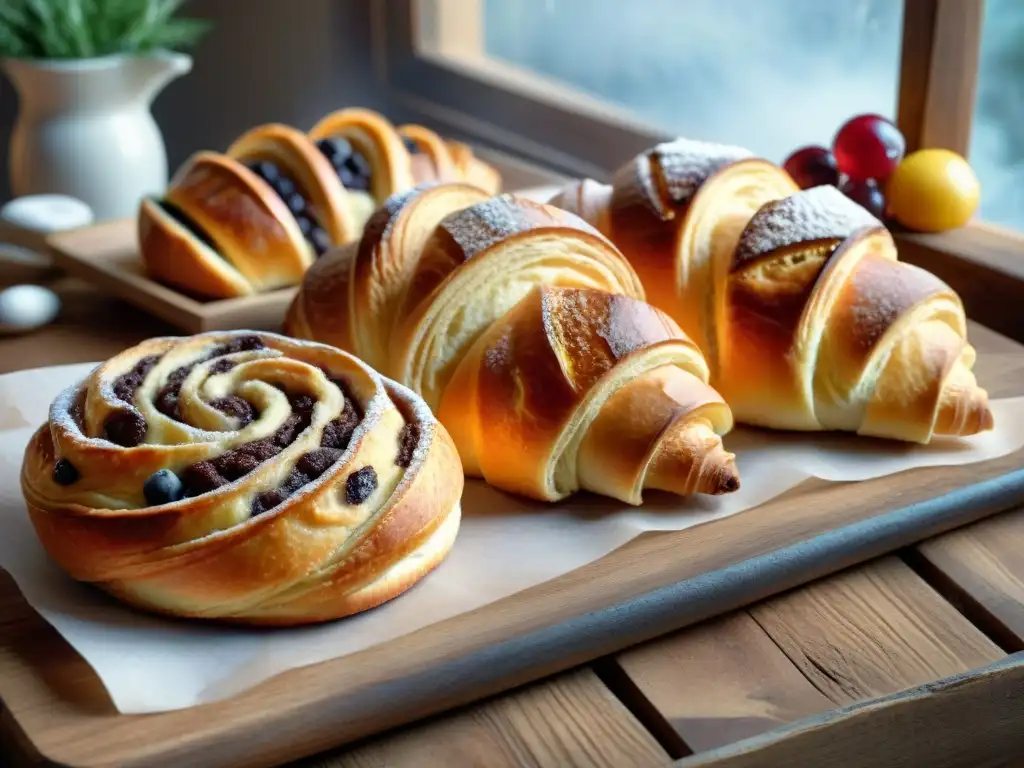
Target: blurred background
771,76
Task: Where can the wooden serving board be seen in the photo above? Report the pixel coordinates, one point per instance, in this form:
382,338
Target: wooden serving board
654,585
107,256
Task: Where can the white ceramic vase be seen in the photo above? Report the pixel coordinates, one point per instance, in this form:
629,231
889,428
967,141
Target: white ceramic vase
85,129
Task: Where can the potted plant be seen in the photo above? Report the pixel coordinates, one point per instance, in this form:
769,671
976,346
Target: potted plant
86,72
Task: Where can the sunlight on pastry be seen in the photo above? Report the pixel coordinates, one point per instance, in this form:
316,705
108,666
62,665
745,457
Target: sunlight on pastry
254,218
796,297
526,330
245,478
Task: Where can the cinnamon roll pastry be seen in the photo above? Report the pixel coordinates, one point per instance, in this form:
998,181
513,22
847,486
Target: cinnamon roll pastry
254,218
806,316
526,331
243,478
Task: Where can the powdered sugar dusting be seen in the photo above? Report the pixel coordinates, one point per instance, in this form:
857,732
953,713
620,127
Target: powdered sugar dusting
188,361
819,213
485,224
481,226
381,224
686,164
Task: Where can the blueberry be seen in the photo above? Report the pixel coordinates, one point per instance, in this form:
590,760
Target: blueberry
412,147
305,225
351,180
335,150
321,241
360,485
64,472
266,170
283,186
163,487
359,165
296,203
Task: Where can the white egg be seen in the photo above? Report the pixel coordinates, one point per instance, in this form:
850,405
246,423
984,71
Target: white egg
47,213
26,307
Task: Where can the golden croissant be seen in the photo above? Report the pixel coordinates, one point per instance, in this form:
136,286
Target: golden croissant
526,331
243,478
255,217
797,298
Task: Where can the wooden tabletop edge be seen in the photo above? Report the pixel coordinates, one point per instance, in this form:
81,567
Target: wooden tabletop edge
952,695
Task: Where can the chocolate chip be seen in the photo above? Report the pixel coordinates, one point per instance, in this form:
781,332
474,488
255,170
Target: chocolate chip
315,462
222,366
162,487
178,375
236,406
288,431
64,472
261,450
235,464
301,403
338,432
408,439
411,146
265,502
125,428
201,477
295,480
146,364
125,386
732,484
167,400
360,485
248,343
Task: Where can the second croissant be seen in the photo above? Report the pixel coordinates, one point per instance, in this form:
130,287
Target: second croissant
808,319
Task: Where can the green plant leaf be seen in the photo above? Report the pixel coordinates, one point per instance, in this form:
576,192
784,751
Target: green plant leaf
85,28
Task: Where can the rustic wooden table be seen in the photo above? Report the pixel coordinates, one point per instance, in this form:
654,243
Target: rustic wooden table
842,671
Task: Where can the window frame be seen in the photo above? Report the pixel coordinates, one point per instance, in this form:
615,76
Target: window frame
429,56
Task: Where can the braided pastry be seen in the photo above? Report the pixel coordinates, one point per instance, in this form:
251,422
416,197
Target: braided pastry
524,328
244,478
797,299
254,218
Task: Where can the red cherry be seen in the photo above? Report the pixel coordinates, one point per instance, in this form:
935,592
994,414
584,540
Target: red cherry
866,194
868,147
812,167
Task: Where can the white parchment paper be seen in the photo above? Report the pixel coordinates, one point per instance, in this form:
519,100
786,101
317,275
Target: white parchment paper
506,544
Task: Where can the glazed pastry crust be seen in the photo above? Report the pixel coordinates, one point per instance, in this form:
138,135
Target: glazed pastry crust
318,554
797,298
526,331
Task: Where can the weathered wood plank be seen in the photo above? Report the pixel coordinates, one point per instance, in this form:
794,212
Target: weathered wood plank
971,720
716,683
981,569
571,720
860,634
873,631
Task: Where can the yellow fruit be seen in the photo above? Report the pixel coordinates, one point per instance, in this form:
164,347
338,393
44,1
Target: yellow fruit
933,190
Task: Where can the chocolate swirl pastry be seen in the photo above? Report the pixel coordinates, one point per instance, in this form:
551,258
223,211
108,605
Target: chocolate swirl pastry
254,218
243,478
798,299
526,331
